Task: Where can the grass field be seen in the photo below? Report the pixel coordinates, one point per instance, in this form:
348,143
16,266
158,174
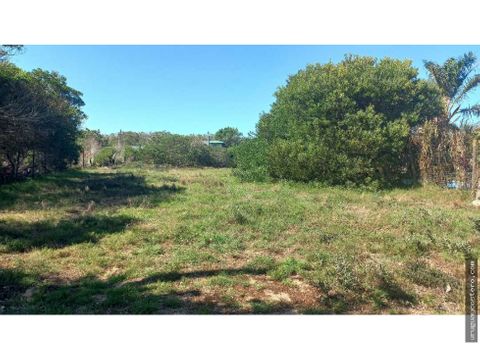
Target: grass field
199,241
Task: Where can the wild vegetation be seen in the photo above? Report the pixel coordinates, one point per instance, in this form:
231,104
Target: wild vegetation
445,143
200,241
158,148
367,122
313,217
40,118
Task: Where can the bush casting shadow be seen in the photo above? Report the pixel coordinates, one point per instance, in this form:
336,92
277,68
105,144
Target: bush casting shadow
18,236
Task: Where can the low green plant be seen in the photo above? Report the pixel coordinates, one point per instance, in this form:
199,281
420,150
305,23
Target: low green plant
287,268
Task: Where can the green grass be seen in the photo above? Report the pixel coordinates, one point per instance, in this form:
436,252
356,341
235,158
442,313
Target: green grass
199,241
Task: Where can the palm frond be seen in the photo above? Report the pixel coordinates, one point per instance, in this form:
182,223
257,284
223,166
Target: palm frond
470,85
471,111
466,65
438,75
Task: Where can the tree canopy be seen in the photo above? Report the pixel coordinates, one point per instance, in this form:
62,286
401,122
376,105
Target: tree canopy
40,118
456,80
345,123
229,135
8,50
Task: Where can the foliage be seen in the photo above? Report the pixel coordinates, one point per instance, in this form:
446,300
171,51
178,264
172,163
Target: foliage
132,153
445,143
179,150
159,148
345,123
90,142
105,157
229,135
250,160
7,51
40,117
456,81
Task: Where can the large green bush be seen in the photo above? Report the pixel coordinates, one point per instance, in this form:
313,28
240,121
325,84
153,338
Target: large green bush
345,123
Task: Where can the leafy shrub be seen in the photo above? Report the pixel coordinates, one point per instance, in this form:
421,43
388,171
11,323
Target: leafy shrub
457,246
345,124
105,157
250,160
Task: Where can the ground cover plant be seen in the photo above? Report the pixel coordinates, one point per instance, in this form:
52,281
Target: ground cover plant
149,240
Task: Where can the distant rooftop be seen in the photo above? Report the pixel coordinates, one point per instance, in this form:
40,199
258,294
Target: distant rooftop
215,143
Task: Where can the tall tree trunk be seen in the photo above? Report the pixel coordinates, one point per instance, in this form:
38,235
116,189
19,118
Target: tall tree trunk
17,165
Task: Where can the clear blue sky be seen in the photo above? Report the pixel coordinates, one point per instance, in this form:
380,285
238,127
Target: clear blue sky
194,89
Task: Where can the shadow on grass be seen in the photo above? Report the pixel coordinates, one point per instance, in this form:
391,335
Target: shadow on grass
389,294
18,236
22,293
175,275
81,189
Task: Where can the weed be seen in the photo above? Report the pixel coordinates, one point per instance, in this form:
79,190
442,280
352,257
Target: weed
344,271
287,268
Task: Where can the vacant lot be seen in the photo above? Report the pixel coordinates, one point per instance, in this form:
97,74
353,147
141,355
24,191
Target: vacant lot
200,241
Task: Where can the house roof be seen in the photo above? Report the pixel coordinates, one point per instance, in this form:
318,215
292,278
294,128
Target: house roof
210,142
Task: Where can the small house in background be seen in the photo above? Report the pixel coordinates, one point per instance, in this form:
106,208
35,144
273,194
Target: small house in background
214,143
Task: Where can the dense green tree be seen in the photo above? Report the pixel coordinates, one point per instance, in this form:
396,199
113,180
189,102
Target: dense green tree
61,120
166,148
345,123
229,135
40,116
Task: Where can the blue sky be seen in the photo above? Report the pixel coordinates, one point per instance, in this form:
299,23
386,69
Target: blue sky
194,89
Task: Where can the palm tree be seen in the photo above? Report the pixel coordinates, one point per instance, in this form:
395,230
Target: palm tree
456,81
445,141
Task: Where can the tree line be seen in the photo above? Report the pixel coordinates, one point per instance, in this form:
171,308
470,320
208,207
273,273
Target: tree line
41,130
158,148
361,121
40,118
